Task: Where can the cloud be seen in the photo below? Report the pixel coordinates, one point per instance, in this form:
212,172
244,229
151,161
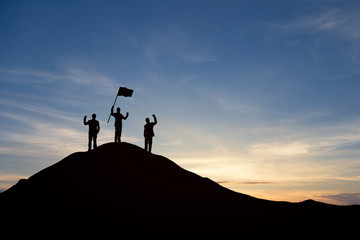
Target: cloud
31,129
175,142
35,108
282,149
245,183
36,75
341,22
9,179
198,58
42,139
275,153
343,198
292,137
175,43
99,82
77,77
233,106
47,133
5,177
47,125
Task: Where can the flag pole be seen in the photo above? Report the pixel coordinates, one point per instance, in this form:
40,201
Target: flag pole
113,105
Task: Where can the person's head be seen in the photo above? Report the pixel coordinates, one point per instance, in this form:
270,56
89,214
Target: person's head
147,120
93,116
118,110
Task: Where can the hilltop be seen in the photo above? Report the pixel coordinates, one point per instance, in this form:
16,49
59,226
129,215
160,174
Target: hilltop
120,189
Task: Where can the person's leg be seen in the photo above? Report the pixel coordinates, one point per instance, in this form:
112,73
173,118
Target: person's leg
89,145
150,143
120,130
95,141
146,143
116,134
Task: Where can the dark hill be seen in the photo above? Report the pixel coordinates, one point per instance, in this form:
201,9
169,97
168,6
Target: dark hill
120,189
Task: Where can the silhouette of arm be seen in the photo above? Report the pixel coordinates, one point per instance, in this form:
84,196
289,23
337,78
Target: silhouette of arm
127,114
155,120
85,123
112,111
98,127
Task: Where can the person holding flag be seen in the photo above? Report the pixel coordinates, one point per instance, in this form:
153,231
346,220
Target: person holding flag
118,116
118,122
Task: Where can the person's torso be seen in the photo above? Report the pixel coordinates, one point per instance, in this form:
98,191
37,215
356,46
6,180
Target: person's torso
149,129
93,124
118,119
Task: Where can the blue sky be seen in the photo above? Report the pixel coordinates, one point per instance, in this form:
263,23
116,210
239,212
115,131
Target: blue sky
260,96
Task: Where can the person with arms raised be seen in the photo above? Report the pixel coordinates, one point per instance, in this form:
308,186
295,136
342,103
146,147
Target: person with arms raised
149,132
94,129
118,122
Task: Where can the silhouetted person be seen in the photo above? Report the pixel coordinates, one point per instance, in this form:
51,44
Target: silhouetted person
118,122
149,132
94,128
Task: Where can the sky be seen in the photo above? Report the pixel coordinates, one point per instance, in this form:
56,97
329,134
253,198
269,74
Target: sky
260,96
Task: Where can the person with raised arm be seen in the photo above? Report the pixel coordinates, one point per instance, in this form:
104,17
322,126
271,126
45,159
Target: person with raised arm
118,122
149,132
94,129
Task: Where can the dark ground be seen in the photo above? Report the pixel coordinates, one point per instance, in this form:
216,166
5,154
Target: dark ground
119,190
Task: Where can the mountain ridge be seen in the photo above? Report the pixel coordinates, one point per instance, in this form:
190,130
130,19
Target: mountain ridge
120,189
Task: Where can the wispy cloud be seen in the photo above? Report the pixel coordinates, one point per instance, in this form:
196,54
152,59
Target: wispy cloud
43,140
44,125
282,149
44,131
341,22
5,177
48,132
100,83
175,43
35,76
35,108
246,183
234,106
8,179
199,58
343,198
284,156
77,77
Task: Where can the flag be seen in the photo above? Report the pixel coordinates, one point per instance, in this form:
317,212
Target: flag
125,92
